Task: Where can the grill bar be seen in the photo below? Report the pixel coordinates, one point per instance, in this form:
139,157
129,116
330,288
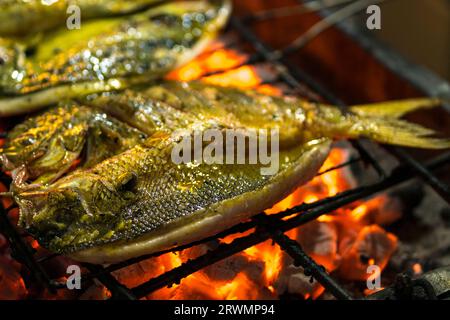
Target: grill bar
118,290
440,187
294,249
267,227
175,275
293,76
21,251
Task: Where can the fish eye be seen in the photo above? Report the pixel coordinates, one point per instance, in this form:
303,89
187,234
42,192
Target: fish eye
30,51
129,183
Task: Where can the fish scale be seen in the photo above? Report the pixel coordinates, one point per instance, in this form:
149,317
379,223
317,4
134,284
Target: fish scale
114,53
154,205
139,201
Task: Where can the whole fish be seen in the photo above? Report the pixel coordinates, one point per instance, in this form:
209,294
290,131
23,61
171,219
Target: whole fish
21,17
44,147
106,54
140,201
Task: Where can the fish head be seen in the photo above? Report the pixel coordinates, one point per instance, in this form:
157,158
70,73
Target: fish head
80,210
47,143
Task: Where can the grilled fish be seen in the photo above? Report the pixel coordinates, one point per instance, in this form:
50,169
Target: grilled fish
44,147
20,17
139,201
106,54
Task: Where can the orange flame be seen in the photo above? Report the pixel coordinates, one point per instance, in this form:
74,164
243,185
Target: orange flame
336,244
334,240
219,60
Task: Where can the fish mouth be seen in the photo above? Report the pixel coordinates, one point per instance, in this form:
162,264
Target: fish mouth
44,222
216,218
42,218
64,217
31,204
76,212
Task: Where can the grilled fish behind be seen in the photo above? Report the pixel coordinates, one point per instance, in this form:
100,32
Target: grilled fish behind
104,55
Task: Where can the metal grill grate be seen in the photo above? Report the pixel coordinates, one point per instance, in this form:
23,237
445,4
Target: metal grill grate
265,227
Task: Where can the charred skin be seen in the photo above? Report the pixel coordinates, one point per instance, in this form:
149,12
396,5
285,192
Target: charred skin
104,55
139,201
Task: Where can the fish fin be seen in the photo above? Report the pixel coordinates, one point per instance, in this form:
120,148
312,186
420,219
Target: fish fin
398,132
396,108
380,122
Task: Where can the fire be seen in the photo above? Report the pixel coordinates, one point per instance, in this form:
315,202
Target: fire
417,269
232,73
209,62
337,240
346,241
242,77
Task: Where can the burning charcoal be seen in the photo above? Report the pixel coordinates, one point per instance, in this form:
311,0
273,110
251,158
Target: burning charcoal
294,281
390,211
95,292
373,245
381,210
228,269
3,242
138,273
198,250
319,240
12,286
6,202
198,286
214,60
410,197
196,290
57,266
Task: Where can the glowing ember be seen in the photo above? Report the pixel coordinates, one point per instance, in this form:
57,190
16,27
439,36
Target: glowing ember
242,77
336,241
417,269
341,242
219,60
345,241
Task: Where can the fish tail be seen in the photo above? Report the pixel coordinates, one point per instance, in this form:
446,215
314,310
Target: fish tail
395,109
380,122
399,132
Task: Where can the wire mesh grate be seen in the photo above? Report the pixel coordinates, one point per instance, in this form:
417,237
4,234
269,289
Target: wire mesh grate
265,227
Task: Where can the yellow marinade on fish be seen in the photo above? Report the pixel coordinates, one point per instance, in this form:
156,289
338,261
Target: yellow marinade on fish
22,17
104,54
140,201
